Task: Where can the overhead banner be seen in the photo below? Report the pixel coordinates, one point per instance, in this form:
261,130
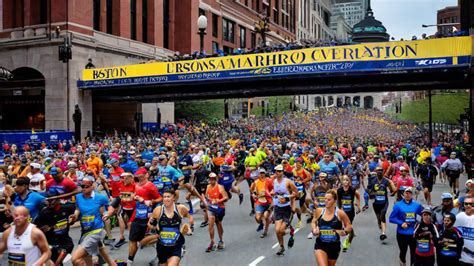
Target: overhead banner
380,57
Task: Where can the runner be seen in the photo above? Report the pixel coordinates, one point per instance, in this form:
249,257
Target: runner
345,202
283,191
427,173
26,244
5,204
426,236
446,207
227,179
465,224
450,242
127,205
453,168
403,182
329,224
32,200
146,196
216,197
252,162
91,211
61,187
330,168
301,179
260,190
404,216
53,221
168,221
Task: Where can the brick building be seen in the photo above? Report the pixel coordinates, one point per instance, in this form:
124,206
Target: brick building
103,33
448,15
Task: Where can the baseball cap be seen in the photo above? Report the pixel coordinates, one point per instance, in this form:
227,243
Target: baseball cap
408,189
71,164
453,153
212,175
88,178
446,195
353,158
162,157
379,168
426,210
35,166
53,171
299,160
126,174
262,170
141,171
402,168
278,167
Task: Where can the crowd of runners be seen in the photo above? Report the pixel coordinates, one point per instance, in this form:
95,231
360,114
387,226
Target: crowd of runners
319,168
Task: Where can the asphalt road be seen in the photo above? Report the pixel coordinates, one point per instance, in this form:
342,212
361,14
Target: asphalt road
243,246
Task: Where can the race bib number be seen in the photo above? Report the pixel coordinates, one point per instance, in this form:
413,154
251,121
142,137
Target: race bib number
169,236
346,204
16,259
423,245
467,233
87,222
141,211
327,234
60,227
410,217
126,196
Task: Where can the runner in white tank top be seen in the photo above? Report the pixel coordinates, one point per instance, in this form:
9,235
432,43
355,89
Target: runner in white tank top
26,244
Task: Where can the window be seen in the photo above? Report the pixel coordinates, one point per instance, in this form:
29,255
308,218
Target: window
109,16
257,6
166,23
215,47
145,21
215,25
243,41
227,50
43,16
96,11
253,40
275,16
228,30
133,19
202,12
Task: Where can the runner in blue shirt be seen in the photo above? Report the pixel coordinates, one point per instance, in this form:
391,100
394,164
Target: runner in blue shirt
92,209
32,200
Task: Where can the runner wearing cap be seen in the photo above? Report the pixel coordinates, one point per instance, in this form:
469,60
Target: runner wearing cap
146,196
64,188
216,197
379,192
53,221
301,179
469,185
25,243
446,207
450,243
404,216
92,209
426,237
283,192
453,169
260,190
37,179
330,168
404,181
126,195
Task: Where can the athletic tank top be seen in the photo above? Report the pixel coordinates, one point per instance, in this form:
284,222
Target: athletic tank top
346,199
280,190
380,191
262,191
21,250
319,195
213,193
326,228
170,234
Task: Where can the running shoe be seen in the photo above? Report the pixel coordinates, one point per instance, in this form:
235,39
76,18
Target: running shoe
264,234
252,213
109,241
120,243
204,224
241,198
383,236
260,227
298,224
292,231
310,235
281,252
309,220
220,245
154,262
365,207
210,248
291,242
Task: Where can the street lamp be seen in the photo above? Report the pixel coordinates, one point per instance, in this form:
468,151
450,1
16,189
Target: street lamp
202,25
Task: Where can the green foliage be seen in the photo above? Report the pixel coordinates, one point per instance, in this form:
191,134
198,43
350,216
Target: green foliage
206,110
279,104
446,108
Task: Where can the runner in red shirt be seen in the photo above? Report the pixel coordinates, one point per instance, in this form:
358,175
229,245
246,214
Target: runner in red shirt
65,188
126,189
403,182
146,196
115,172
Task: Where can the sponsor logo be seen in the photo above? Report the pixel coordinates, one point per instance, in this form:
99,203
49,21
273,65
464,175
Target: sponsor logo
431,62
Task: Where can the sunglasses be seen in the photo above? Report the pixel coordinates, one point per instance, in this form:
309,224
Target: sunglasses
469,204
85,186
278,171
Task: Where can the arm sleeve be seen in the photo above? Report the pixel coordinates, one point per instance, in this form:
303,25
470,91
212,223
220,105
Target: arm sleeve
394,216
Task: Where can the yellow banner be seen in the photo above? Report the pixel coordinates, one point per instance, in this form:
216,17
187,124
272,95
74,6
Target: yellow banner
402,50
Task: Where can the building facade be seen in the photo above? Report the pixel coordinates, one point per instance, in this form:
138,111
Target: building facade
352,10
449,15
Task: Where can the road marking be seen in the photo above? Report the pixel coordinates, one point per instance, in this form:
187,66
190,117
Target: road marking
256,261
277,244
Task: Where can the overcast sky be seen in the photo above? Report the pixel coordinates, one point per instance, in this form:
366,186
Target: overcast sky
403,18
